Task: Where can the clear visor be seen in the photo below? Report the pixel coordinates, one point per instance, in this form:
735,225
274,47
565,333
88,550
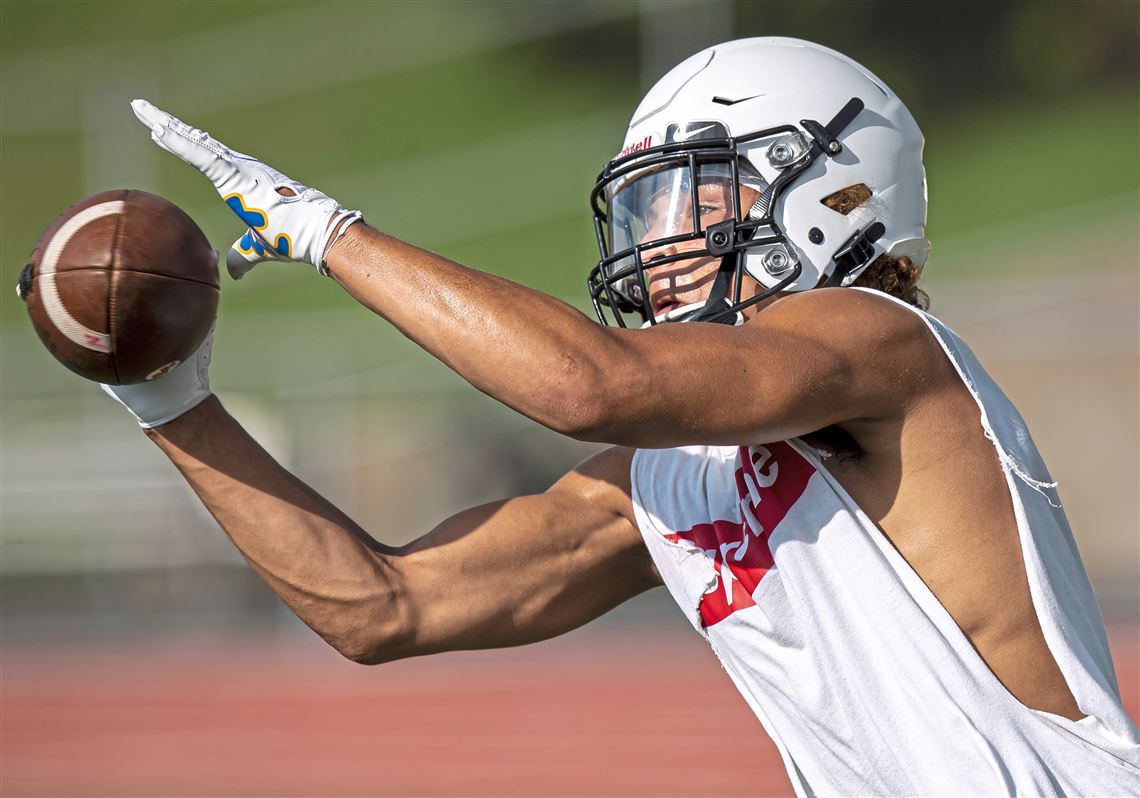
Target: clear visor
666,202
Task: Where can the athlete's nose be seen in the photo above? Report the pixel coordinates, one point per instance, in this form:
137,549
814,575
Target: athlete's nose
657,231
650,254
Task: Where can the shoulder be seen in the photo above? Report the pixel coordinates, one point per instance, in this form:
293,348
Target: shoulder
845,309
883,349
868,329
601,482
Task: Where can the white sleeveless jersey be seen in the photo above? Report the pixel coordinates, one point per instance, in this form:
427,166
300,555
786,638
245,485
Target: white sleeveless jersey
856,671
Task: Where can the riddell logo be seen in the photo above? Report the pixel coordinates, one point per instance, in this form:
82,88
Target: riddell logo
638,146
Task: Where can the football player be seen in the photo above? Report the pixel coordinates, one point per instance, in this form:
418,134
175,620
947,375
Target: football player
835,493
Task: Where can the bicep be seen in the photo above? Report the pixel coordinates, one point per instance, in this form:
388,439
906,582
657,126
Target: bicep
525,569
807,362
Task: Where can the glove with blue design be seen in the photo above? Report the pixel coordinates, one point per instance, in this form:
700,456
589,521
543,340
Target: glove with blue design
285,220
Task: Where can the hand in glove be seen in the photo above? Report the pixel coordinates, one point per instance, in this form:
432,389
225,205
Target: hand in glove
165,398
296,222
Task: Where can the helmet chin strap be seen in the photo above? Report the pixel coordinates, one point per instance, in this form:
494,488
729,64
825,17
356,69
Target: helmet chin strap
718,296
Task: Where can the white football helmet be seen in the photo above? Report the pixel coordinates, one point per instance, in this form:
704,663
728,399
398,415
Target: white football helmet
794,123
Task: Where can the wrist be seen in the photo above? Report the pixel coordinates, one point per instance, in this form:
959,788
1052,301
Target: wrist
338,225
345,248
172,414
203,414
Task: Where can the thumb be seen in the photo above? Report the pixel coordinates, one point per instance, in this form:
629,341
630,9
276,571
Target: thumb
248,251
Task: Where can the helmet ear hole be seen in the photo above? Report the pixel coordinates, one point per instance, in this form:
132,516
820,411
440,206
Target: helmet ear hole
847,199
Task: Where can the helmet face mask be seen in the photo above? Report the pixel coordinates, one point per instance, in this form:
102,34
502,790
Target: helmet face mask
690,199
717,186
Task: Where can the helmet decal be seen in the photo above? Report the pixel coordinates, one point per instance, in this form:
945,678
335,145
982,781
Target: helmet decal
690,131
637,146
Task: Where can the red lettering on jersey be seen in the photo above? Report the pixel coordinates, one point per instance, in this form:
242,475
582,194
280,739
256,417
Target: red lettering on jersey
769,481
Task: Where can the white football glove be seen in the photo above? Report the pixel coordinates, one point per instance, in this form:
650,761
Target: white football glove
301,227
165,398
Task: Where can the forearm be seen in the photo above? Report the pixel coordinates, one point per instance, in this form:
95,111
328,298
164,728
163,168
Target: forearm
335,577
530,351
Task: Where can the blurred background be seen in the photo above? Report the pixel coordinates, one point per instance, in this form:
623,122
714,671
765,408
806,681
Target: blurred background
141,656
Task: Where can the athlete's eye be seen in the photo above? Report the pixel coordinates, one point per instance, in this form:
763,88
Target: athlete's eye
713,211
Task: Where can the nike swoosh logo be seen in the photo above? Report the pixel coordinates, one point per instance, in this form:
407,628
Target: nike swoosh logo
690,133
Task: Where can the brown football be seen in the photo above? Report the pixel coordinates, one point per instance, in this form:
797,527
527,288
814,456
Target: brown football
121,287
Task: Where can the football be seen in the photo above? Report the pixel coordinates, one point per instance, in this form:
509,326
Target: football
121,287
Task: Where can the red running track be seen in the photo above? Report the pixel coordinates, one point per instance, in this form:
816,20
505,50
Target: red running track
584,715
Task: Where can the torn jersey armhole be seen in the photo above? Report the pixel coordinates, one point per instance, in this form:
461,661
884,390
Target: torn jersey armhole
693,572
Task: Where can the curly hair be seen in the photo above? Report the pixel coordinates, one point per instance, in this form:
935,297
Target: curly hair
895,276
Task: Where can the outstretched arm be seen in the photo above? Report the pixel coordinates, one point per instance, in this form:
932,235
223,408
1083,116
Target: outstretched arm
810,360
525,348
502,574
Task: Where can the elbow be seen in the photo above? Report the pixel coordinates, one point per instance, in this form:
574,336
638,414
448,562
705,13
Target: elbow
588,400
361,646
365,655
585,411
374,629
370,646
